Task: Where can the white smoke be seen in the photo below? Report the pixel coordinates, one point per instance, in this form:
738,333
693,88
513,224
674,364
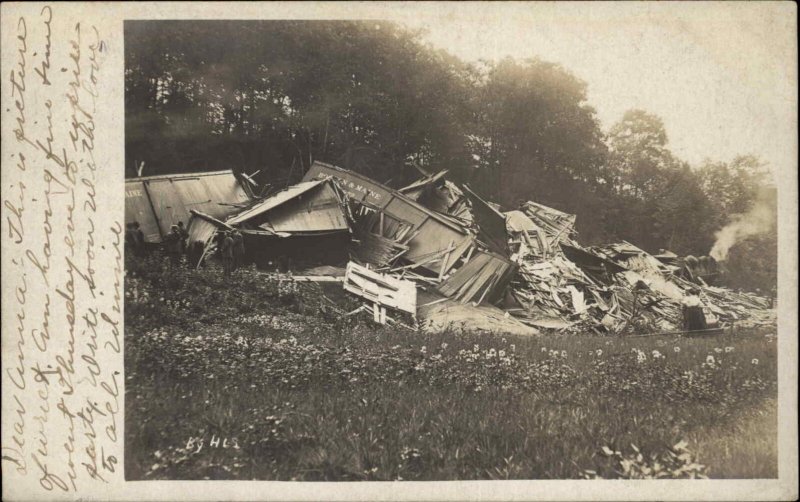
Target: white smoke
760,219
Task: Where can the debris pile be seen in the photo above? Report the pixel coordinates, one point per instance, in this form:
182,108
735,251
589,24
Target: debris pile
521,271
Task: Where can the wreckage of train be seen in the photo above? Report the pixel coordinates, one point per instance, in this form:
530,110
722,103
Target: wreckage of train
470,263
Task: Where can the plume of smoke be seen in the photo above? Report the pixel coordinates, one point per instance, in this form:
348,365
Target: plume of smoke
760,218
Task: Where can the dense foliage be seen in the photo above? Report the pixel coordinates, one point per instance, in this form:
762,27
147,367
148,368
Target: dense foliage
274,96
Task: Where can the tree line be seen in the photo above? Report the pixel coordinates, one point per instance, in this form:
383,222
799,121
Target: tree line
274,96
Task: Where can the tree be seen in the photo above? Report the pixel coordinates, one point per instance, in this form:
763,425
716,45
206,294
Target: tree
740,194
734,185
275,96
371,96
638,154
534,137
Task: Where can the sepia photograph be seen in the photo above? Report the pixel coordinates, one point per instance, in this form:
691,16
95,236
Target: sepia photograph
354,253
395,251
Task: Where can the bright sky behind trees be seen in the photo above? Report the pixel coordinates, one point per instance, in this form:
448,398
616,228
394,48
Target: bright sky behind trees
722,76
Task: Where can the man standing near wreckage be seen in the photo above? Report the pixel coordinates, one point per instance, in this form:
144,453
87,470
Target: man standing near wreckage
693,317
238,249
184,236
227,252
173,244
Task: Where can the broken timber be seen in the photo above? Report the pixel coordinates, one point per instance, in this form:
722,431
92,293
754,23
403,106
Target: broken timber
381,289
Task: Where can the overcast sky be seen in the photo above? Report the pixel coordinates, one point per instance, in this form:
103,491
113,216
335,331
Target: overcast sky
722,76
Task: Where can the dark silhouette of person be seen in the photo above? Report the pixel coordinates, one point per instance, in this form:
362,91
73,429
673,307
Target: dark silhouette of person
693,317
173,244
184,235
226,250
238,249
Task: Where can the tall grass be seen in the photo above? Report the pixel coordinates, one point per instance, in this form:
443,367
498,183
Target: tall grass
277,384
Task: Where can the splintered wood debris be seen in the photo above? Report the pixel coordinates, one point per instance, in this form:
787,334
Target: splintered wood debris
523,267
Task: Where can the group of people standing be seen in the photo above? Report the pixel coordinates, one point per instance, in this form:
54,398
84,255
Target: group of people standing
230,245
174,243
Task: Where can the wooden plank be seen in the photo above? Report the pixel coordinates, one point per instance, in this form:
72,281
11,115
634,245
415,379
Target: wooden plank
210,219
381,289
462,275
402,232
483,277
492,282
469,254
316,278
458,252
446,259
377,250
465,282
379,281
359,309
434,302
430,259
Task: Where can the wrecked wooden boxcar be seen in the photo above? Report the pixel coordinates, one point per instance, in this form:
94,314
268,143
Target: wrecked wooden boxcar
444,239
158,202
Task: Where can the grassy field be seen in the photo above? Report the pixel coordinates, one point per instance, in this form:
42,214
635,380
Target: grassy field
264,379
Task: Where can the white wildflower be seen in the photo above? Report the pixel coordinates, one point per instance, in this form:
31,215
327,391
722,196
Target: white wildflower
754,362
